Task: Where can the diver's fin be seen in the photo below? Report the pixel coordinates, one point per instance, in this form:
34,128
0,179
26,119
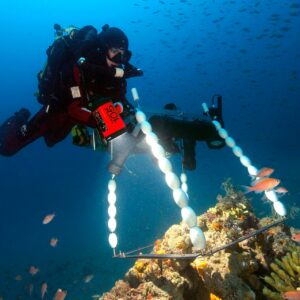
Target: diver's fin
13,124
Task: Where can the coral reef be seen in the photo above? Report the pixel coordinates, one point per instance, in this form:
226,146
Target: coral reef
284,275
239,272
145,291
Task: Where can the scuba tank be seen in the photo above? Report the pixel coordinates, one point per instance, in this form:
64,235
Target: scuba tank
59,52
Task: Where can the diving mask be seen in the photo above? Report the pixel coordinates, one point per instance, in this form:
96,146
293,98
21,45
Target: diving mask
119,55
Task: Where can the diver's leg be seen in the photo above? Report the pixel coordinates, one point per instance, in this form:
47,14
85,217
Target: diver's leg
59,126
17,131
63,122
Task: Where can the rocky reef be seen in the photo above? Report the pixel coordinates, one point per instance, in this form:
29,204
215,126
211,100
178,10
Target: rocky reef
243,271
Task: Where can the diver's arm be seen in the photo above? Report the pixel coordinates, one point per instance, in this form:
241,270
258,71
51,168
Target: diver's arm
97,70
81,115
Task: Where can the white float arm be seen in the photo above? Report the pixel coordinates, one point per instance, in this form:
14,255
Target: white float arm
112,211
246,162
180,197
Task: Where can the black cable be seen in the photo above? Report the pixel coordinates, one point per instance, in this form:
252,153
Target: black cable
193,256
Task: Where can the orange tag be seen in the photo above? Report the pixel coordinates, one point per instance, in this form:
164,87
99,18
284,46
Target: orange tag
112,123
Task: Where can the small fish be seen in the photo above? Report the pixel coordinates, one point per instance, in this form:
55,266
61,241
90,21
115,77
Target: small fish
88,278
33,270
263,185
60,295
296,237
53,242
264,172
281,190
43,289
47,219
18,277
291,295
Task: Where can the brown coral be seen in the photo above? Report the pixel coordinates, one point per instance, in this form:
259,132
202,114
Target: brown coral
233,274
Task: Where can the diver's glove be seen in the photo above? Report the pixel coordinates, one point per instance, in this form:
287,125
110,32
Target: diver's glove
131,71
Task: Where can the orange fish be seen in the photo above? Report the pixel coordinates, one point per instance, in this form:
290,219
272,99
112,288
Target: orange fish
33,270
296,237
53,242
60,295
281,190
291,295
47,219
43,290
264,172
263,185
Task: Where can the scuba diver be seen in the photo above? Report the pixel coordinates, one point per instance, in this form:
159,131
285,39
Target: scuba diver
81,66
83,85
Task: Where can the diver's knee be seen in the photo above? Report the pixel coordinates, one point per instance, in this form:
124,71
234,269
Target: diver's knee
49,142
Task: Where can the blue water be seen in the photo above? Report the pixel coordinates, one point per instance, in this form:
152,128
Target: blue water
248,51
